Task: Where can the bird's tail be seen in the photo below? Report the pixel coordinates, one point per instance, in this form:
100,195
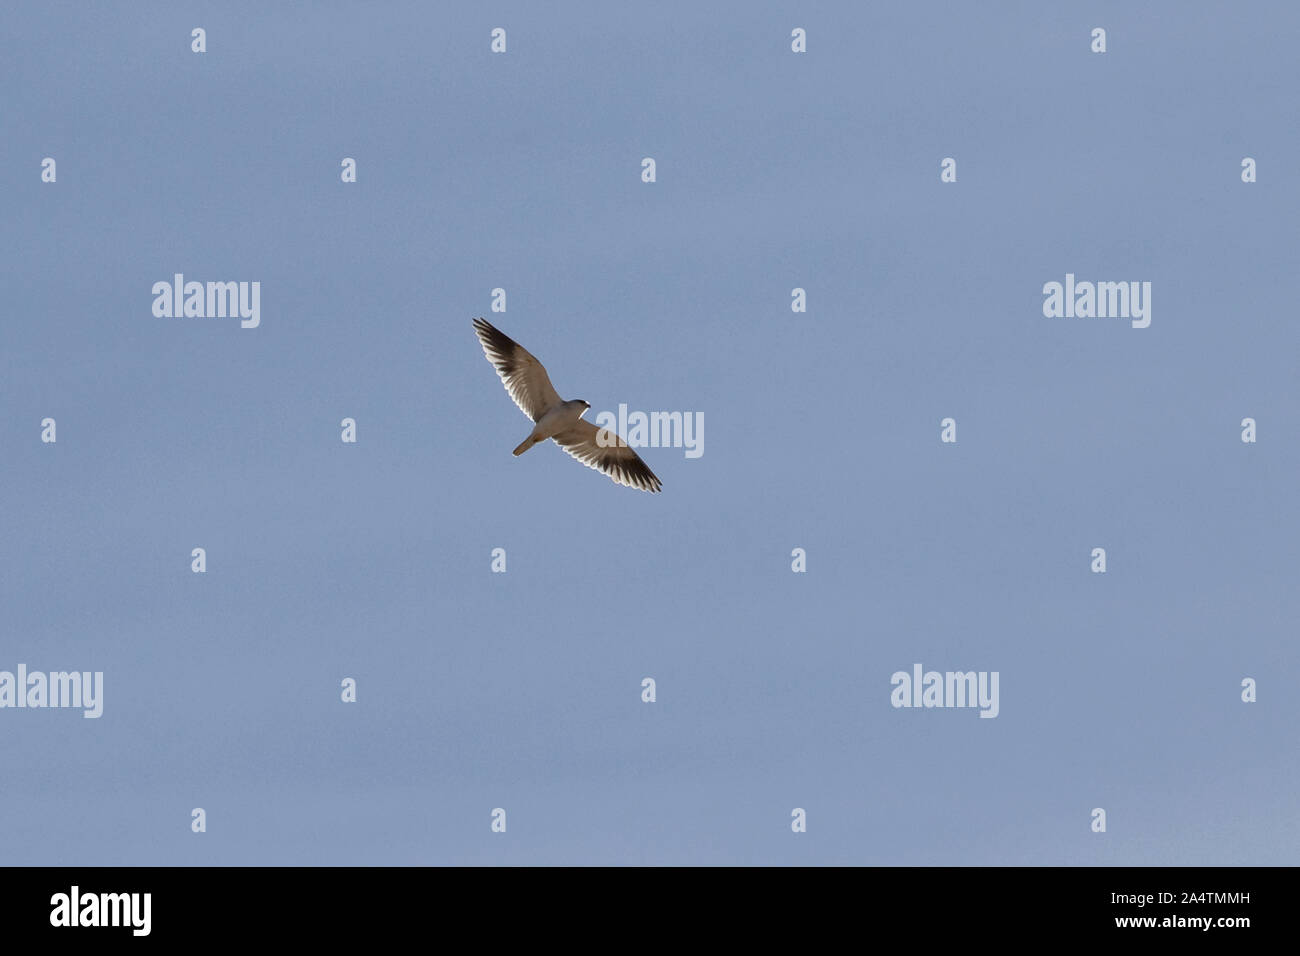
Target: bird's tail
524,445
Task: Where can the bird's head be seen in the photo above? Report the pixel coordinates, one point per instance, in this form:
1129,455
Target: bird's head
584,403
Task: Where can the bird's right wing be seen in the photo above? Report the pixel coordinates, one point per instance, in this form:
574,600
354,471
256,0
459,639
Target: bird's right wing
605,451
524,377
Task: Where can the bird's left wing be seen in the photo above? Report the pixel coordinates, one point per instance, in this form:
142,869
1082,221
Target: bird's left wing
609,455
523,376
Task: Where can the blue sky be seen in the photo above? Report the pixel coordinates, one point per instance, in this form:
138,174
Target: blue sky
774,171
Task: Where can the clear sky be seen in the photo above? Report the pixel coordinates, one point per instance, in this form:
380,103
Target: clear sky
522,690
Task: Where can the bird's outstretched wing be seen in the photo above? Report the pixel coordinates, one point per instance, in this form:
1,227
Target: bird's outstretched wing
609,455
524,377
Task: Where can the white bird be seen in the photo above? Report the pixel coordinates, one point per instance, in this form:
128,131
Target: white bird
528,384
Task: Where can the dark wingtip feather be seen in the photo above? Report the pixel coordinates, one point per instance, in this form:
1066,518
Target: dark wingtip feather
501,343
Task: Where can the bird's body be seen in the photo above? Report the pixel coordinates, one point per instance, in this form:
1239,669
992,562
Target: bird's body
528,384
556,421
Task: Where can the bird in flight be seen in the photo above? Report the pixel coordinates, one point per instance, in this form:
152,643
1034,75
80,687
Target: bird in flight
528,384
